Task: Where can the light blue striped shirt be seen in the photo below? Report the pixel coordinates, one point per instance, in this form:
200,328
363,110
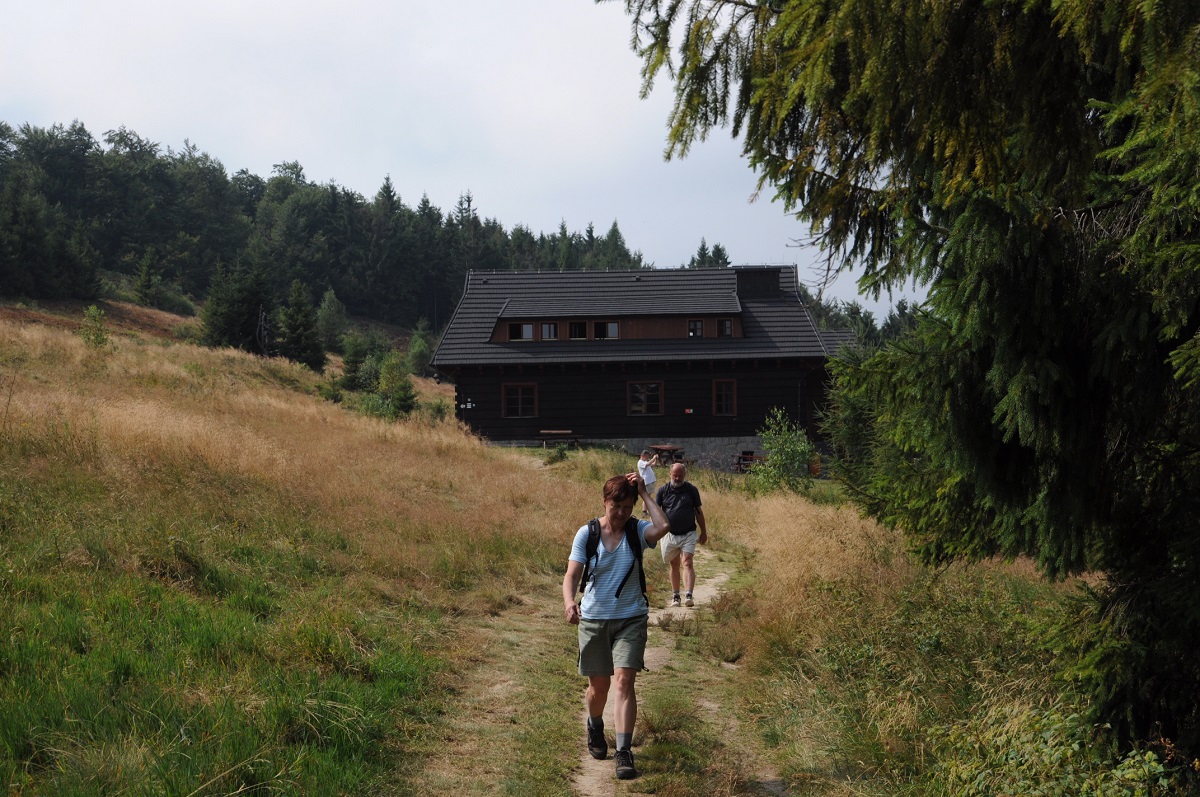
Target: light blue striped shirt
607,569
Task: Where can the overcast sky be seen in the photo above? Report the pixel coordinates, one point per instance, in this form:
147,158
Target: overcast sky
530,105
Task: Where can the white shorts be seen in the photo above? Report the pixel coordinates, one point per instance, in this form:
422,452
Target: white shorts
674,544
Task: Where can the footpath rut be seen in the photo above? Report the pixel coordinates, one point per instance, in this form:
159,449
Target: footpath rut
469,755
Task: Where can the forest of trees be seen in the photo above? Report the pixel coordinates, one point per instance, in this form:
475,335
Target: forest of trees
72,207
262,254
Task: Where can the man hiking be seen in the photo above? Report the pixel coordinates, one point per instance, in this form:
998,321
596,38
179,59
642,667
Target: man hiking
613,615
680,500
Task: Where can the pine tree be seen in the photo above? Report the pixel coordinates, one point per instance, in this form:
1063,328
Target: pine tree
297,336
1035,164
147,282
719,257
331,321
396,386
239,311
420,354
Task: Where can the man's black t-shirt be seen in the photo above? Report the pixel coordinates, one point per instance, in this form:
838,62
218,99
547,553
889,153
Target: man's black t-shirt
679,503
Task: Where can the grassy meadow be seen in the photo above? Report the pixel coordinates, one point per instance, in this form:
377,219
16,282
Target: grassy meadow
213,582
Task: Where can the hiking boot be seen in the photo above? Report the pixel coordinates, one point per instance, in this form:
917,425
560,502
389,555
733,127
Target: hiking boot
687,600
597,746
625,768
674,601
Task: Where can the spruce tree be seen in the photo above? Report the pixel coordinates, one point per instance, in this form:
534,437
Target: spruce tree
420,354
719,257
702,257
147,284
395,386
1035,164
331,321
297,336
239,311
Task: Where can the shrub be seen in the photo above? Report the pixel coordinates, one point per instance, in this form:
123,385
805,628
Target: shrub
93,330
329,390
175,302
434,412
419,354
362,355
188,332
1017,748
556,454
788,454
395,386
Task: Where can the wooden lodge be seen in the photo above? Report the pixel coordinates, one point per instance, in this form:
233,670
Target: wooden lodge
698,355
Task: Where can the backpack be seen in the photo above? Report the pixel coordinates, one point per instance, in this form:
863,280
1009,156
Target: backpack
635,544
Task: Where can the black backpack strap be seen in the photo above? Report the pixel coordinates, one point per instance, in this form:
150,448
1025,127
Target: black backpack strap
634,541
593,545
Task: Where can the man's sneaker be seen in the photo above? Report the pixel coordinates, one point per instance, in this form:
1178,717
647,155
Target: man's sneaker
687,600
625,768
597,746
674,601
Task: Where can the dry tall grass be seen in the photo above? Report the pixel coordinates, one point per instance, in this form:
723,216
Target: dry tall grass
858,655
797,543
393,489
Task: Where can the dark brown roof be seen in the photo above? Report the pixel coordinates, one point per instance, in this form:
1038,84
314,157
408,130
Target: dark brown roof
774,325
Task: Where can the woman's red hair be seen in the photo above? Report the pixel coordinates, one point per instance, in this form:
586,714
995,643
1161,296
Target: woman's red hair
619,489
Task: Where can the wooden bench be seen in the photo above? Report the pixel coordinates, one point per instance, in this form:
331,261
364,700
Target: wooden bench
558,436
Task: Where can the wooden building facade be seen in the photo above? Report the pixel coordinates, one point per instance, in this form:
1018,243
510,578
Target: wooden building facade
653,354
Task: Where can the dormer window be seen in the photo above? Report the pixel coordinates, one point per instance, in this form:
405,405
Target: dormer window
550,331
520,331
696,328
724,327
577,330
605,330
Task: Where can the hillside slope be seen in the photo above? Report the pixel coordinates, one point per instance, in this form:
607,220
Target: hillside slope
212,581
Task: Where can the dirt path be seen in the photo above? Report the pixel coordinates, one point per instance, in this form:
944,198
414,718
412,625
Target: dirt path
501,693
595,778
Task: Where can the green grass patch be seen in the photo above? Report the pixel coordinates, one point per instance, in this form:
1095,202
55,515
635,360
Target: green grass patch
677,745
547,744
191,636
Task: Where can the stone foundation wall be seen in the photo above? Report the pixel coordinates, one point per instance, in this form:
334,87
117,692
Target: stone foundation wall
714,453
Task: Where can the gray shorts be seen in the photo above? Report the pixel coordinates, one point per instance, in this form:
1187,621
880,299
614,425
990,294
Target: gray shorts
673,544
607,644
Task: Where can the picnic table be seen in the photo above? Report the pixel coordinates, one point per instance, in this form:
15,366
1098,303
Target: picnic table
667,452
